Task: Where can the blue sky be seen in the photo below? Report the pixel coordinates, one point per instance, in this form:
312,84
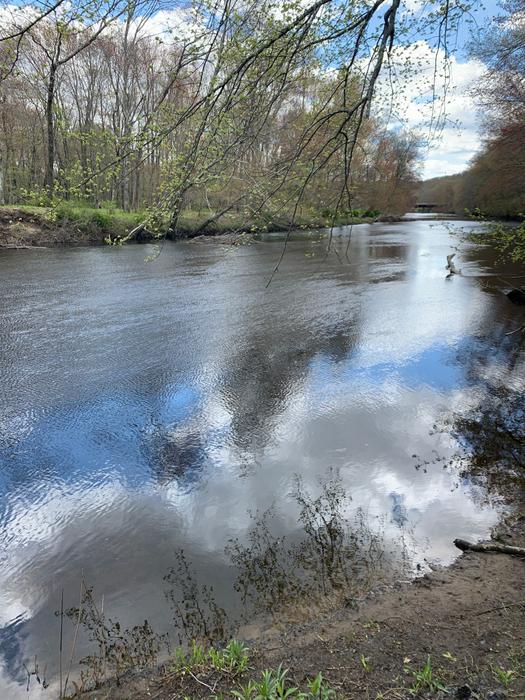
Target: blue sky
451,147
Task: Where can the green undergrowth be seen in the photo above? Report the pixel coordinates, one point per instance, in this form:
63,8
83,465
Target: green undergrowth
232,673
190,221
79,218
275,684
233,659
229,675
507,237
109,220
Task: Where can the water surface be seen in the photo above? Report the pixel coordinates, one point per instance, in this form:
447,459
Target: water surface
146,406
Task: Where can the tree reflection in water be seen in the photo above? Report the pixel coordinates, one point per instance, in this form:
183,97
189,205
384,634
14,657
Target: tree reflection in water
331,558
491,440
196,613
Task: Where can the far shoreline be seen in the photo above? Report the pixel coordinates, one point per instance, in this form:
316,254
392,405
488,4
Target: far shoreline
23,227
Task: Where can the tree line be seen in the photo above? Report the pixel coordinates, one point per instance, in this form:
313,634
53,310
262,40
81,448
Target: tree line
242,107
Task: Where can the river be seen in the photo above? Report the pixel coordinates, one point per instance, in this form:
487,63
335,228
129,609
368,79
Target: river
146,405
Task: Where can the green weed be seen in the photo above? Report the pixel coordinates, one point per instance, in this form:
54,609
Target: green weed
426,680
232,659
364,663
274,685
504,676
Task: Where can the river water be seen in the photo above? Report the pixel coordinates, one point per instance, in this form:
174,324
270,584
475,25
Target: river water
147,405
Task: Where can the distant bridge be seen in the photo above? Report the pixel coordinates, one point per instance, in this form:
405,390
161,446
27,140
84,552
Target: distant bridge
426,206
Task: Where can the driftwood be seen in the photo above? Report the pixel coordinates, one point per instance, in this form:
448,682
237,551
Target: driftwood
490,547
453,270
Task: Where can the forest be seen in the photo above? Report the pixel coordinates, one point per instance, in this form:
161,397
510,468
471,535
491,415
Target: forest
237,113
243,115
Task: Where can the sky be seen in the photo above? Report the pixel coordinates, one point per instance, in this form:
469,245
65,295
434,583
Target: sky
450,127
451,147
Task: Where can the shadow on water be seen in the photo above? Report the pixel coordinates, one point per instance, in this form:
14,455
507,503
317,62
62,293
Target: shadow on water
490,439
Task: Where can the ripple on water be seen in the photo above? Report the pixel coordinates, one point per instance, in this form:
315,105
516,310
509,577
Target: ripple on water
147,407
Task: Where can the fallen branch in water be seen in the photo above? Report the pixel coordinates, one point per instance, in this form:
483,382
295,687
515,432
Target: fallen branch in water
516,330
490,547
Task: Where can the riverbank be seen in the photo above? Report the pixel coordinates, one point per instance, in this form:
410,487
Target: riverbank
70,226
456,632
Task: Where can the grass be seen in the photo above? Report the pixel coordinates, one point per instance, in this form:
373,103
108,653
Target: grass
228,675
504,676
25,208
233,659
364,661
114,222
218,669
81,218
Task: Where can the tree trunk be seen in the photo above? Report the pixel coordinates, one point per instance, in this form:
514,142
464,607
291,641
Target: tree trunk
49,180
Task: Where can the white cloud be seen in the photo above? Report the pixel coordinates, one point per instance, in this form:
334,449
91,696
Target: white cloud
427,93
178,23
413,5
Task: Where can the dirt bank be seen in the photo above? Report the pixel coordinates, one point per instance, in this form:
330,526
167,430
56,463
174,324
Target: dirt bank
457,631
20,228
